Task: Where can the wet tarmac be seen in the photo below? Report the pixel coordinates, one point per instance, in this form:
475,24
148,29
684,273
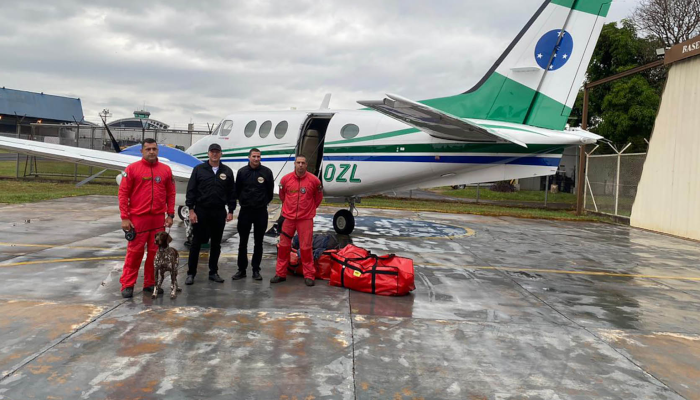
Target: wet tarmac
504,308
435,196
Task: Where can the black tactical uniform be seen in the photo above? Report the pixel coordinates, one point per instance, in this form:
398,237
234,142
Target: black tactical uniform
254,190
208,194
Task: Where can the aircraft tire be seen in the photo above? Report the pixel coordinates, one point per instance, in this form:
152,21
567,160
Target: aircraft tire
344,222
183,212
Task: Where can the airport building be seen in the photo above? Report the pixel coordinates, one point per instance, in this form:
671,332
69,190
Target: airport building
21,108
669,191
141,119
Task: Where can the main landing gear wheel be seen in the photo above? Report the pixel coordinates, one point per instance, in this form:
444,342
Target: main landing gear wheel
183,212
344,222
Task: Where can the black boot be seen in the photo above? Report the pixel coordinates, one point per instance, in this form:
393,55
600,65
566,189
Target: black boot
128,292
239,275
277,279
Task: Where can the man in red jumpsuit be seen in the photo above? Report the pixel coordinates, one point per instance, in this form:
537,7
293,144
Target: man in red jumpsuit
301,193
146,191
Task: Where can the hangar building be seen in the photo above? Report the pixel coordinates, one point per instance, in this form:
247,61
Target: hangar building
668,198
25,108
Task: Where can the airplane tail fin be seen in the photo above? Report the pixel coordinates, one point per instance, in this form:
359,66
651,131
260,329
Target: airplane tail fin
536,80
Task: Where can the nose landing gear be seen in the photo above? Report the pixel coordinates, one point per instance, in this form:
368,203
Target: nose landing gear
344,220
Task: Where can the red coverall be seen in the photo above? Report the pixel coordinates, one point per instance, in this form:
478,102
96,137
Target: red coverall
300,198
146,190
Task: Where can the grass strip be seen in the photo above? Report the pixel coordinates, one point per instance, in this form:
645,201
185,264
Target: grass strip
522,195
8,170
476,209
13,191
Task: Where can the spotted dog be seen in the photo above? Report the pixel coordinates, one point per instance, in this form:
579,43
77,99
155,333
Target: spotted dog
166,260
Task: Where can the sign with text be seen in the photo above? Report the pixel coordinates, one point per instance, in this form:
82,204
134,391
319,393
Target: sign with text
690,48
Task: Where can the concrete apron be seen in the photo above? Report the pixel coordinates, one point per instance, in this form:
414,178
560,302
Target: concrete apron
504,308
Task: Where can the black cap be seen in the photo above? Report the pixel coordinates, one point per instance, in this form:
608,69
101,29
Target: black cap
214,146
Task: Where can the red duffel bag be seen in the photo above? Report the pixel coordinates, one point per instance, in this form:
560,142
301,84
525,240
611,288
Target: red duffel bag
322,264
357,269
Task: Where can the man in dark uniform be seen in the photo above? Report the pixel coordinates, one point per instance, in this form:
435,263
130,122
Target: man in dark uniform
211,188
254,189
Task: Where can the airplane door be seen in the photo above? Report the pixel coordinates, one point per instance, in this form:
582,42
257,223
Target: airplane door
311,140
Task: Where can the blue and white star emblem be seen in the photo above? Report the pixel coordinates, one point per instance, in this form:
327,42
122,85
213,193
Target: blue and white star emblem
549,46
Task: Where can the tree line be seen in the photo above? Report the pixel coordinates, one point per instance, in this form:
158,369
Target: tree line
624,111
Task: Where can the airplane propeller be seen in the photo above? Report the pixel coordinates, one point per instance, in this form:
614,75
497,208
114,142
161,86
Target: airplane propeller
116,147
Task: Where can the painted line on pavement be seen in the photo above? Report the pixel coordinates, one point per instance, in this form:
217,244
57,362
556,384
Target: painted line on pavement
475,267
120,257
123,249
51,246
60,260
569,272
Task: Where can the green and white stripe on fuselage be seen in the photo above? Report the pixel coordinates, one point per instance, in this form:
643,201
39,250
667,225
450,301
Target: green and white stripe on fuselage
388,155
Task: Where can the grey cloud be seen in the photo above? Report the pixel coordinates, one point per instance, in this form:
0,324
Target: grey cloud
202,60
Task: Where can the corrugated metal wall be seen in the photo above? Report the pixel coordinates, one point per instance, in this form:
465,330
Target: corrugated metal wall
668,199
40,105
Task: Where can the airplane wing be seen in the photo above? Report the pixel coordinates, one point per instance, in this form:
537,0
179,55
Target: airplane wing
95,158
436,123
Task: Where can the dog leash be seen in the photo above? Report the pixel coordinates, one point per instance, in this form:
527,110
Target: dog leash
131,233
154,229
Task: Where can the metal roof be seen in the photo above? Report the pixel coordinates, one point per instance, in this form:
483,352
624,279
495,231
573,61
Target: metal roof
39,105
138,123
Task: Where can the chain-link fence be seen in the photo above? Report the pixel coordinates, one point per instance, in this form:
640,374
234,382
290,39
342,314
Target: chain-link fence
84,136
611,182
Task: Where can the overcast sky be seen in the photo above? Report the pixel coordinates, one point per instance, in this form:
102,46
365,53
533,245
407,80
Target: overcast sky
198,61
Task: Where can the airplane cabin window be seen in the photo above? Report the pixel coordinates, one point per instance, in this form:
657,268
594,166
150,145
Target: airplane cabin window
349,131
265,129
226,128
250,129
281,129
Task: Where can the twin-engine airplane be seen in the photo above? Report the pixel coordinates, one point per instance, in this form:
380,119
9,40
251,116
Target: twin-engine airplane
510,125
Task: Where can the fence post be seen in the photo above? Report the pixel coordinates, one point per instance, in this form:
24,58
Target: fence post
617,183
585,186
77,144
92,142
587,183
546,191
617,179
17,165
31,159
